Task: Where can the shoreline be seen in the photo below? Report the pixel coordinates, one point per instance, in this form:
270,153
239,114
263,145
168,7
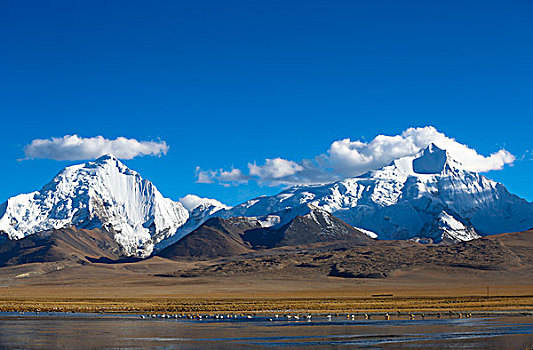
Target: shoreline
282,314
315,305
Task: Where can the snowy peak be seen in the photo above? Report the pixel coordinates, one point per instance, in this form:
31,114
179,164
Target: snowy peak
109,163
430,161
107,158
430,195
103,193
433,160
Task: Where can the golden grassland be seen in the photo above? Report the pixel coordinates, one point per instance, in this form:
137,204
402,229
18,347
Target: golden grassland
266,305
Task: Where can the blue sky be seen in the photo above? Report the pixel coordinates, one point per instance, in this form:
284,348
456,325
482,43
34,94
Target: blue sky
229,83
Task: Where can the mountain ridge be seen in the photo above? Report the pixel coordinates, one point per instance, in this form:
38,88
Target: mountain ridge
429,196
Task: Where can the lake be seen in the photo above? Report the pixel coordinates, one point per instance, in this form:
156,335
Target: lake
77,331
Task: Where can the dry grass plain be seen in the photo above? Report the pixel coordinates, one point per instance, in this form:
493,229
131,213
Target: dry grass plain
493,274
146,287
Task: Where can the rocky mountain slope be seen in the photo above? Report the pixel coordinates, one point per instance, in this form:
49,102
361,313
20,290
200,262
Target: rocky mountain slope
214,238
65,245
306,224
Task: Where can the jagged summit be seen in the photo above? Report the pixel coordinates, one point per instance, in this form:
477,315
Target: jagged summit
105,157
109,161
103,193
433,160
105,160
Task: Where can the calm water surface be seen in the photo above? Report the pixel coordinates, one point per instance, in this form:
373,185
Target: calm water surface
86,331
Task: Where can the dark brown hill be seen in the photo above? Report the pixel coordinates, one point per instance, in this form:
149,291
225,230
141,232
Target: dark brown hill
214,238
520,243
498,255
76,245
313,227
228,237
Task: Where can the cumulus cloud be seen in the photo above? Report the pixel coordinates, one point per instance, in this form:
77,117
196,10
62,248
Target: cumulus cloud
355,157
274,169
347,157
74,147
192,201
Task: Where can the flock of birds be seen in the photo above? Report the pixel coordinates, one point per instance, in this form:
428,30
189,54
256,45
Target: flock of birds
298,317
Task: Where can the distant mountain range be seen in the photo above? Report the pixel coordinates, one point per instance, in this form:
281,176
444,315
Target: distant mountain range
428,197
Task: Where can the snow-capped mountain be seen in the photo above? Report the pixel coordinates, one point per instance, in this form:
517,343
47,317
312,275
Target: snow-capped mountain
100,194
426,196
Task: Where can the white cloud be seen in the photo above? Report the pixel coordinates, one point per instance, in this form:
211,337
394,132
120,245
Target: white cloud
74,147
224,177
274,169
192,201
346,158
355,157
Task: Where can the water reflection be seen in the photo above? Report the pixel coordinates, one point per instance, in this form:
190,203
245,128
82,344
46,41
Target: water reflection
77,331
